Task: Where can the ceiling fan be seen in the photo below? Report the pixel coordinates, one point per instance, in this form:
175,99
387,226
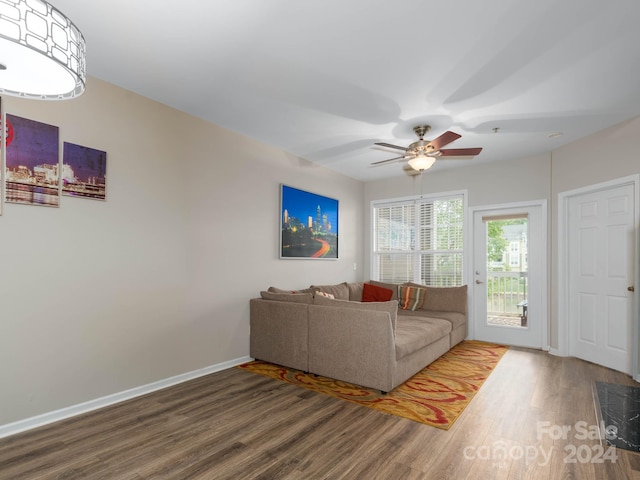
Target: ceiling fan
422,154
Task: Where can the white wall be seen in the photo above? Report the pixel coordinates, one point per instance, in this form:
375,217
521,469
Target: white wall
610,154
607,155
100,297
486,184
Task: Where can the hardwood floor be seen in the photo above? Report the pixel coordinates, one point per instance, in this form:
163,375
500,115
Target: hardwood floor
238,425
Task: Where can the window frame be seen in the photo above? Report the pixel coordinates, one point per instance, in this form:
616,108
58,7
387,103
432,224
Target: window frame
417,254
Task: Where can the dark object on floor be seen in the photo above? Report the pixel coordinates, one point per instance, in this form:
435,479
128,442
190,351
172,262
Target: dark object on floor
618,407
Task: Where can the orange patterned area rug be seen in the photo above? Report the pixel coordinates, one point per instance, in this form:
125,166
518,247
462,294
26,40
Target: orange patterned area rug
435,396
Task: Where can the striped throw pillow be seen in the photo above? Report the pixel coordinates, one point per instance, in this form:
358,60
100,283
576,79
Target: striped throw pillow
411,298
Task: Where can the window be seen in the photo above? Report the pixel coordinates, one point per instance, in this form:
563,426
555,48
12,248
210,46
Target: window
419,240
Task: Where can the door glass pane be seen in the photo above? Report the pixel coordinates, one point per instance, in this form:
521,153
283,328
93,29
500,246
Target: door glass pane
507,272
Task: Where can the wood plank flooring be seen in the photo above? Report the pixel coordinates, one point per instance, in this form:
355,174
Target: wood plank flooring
238,425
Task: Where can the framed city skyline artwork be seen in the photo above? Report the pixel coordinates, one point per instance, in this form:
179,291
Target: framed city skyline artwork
84,172
31,162
308,225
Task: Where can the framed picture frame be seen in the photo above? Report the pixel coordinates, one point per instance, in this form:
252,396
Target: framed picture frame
308,225
84,172
32,162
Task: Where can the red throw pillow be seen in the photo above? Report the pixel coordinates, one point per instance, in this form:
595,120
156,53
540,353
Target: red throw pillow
373,293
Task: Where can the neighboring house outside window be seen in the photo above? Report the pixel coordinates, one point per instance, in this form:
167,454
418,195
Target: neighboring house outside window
515,257
514,254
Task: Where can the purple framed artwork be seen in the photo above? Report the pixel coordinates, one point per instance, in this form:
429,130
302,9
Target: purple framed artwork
32,162
308,225
84,172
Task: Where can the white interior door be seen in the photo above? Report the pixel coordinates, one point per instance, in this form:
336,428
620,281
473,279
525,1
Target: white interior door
601,240
509,281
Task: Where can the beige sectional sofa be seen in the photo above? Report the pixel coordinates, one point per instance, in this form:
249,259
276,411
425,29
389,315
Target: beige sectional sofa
376,344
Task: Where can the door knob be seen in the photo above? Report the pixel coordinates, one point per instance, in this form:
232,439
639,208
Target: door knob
479,282
631,288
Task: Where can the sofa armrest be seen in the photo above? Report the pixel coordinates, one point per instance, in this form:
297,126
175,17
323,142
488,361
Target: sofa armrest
355,346
279,332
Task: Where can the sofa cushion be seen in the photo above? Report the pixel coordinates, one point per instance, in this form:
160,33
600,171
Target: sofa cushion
355,291
281,290
414,333
391,306
411,298
324,294
456,318
340,291
288,297
444,299
390,286
375,293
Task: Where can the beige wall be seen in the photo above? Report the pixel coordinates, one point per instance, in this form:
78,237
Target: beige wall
100,297
607,155
610,154
486,184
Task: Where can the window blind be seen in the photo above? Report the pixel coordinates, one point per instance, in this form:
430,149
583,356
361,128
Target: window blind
419,240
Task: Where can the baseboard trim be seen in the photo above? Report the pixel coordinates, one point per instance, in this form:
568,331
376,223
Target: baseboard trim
73,410
556,352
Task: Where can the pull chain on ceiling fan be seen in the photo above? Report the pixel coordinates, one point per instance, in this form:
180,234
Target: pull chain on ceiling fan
422,154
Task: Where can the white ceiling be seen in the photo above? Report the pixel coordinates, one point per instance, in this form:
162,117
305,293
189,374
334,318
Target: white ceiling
326,79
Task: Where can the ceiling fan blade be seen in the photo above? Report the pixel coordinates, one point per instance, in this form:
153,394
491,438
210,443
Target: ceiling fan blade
384,162
382,144
444,139
449,153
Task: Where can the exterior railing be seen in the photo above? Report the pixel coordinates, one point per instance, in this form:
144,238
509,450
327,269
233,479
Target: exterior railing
505,290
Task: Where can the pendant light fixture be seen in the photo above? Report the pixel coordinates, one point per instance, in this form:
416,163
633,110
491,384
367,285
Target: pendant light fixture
42,53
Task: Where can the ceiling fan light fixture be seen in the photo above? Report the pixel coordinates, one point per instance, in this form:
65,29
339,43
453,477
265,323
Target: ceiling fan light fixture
421,155
422,162
41,51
